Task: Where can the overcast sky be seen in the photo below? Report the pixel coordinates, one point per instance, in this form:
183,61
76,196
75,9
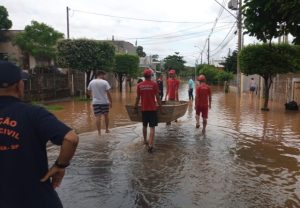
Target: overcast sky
177,26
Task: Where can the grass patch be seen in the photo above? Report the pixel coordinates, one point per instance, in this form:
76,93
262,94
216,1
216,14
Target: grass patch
82,98
49,107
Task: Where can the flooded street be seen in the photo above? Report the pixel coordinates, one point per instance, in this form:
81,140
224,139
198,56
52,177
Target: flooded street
248,158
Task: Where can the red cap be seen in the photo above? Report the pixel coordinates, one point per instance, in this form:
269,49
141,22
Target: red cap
201,77
172,71
147,72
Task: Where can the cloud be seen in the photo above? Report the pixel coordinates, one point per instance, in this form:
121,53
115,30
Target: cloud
86,21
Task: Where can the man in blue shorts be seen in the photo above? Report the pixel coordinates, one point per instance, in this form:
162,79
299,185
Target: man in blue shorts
99,90
25,130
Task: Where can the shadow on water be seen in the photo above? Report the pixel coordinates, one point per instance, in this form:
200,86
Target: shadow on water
248,158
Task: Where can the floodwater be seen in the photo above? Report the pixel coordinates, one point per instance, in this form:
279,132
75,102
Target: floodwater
248,158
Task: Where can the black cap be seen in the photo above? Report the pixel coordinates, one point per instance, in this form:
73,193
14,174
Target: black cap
10,74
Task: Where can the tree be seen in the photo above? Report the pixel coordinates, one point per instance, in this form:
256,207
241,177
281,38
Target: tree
5,23
268,61
39,40
140,51
270,19
175,62
126,65
155,57
290,12
209,71
189,71
230,63
224,76
86,56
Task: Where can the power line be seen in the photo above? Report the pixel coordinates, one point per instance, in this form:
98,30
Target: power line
218,16
212,30
170,33
174,39
138,19
183,35
224,37
229,40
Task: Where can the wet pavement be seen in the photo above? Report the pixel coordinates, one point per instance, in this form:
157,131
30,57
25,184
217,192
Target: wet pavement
248,158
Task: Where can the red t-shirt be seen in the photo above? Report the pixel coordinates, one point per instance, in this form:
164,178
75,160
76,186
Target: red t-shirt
203,93
148,91
173,85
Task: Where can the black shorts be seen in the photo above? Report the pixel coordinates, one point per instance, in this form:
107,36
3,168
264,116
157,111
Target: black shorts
149,117
100,109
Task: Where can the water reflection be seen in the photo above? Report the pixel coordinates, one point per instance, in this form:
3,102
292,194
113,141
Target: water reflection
248,158
79,114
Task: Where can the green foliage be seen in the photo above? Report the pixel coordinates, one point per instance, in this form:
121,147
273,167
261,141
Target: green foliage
213,74
5,23
270,19
175,62
290,13
126,64
209,71
49,107
39,40
230,63
86,55
268,60
140,51
224,76
188,72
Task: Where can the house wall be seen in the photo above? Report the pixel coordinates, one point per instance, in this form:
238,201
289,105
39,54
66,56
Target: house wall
8,48
285,88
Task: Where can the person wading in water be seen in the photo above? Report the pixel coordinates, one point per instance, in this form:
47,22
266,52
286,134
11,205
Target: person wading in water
147,92
172,88
202,102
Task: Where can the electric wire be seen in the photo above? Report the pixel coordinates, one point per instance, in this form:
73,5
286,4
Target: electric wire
137,19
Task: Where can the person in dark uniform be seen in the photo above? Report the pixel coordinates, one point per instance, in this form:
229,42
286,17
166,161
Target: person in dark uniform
25,129
160,84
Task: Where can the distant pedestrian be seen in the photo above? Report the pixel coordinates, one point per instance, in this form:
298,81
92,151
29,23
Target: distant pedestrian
25,130
202,102
147,92
99,90
172,88
191,89
252,86
160,84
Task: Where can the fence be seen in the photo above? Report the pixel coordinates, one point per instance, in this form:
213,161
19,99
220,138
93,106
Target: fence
46,84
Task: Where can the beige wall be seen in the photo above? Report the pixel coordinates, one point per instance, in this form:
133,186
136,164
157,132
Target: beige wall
7,47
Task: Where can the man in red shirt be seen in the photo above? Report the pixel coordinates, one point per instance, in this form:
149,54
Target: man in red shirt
147,91
172,86
202,102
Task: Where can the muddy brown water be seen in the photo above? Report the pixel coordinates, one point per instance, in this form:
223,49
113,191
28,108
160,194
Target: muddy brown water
248,158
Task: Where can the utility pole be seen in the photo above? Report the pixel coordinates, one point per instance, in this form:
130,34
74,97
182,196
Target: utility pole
201,57
68,29
237,5
208,52
239,26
